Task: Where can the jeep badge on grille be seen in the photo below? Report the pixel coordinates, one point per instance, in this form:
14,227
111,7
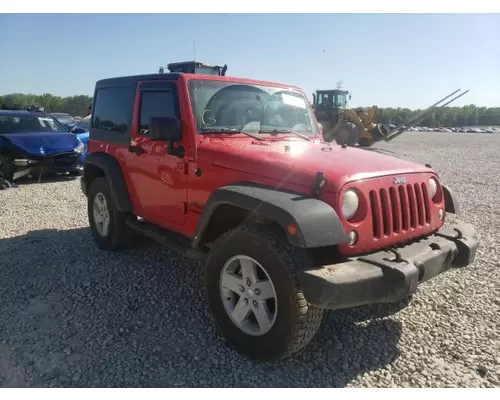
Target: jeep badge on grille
399,180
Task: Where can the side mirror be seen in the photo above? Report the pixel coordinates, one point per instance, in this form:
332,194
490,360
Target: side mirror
164,129
167,129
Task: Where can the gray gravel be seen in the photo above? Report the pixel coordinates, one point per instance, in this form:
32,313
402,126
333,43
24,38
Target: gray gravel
71,315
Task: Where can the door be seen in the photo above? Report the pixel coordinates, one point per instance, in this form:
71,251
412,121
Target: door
159,179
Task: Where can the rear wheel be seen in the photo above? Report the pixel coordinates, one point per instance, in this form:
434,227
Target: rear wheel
254,294
109,230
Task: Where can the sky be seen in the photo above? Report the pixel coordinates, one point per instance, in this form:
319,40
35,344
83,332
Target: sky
389,60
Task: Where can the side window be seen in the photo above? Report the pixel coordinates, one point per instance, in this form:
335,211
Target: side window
156,104
113,109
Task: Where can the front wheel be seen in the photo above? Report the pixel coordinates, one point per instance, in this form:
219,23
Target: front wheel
6,168
254,294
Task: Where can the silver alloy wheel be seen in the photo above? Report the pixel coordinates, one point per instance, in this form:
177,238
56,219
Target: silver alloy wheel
248,295
101,214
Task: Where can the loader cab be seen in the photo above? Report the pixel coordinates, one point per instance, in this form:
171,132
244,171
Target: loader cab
329,104
330,99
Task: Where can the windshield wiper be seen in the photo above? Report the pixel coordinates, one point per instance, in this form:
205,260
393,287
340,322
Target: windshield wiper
230,130
284,130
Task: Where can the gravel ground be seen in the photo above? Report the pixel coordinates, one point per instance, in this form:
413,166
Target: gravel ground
74,316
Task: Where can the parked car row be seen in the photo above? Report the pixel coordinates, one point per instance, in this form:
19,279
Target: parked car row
461,129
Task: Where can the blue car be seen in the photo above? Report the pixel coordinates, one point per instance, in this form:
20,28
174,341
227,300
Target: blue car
81,130
63,118
33,142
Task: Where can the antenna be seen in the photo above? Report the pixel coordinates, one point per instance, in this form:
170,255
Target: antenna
339,85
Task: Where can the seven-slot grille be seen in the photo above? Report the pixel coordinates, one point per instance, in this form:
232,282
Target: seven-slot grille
399,209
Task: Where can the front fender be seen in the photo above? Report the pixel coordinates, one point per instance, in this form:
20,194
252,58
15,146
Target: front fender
317,223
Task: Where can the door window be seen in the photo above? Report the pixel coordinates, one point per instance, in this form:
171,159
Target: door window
155,104
113,109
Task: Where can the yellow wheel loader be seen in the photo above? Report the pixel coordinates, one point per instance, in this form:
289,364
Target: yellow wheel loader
356,127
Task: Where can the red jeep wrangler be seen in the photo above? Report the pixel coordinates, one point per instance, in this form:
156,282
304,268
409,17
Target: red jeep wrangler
234,172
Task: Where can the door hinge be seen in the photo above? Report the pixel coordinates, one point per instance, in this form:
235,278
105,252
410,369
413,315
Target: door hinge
186,168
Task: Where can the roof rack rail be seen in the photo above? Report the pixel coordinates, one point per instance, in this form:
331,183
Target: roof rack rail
195,67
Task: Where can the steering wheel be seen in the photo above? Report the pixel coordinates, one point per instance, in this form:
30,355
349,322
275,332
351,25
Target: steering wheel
300,127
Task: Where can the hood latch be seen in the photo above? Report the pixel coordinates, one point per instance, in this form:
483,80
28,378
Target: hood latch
319,183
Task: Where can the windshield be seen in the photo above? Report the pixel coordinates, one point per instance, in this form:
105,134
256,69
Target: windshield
341,101
233,107
63,118
29,124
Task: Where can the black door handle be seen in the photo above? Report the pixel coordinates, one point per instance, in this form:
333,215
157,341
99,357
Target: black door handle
136,149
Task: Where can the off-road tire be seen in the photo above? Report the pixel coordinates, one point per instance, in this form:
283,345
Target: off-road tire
6,168
296,322
347,133
120,235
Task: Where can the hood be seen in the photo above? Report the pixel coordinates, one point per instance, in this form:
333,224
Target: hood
43,143
298,161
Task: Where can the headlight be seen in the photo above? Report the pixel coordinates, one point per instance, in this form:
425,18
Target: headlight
350,203
433,187
80,147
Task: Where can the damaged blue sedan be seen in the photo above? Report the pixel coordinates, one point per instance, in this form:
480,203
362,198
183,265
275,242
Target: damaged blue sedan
36,143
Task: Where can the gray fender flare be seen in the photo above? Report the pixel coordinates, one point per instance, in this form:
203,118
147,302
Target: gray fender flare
317,223
450,201
113,173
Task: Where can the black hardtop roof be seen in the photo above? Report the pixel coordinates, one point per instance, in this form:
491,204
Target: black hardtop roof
133,79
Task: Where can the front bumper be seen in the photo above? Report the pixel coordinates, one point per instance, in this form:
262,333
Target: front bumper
49,164
389,275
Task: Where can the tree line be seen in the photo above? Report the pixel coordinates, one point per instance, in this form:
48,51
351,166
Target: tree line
76,105
469,115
